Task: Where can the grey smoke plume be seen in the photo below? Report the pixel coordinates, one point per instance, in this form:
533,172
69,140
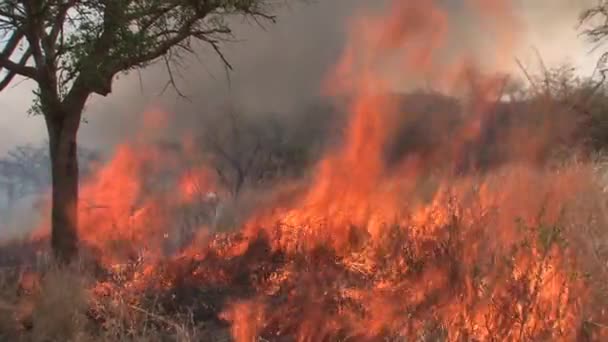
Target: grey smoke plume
277,69
281,67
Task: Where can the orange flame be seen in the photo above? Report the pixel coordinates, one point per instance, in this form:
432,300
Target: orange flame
371,250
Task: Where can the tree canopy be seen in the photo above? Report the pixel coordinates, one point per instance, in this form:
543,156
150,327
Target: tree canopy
67,46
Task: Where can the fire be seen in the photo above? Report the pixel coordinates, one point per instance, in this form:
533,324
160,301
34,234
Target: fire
123,216
372,251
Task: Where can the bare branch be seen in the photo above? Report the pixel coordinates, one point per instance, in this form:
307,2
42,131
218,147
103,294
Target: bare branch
13,68
165,46
171,82
219,52
598,32
11,74
19,68
12,44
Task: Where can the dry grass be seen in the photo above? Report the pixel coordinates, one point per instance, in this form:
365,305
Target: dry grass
59,306
55,304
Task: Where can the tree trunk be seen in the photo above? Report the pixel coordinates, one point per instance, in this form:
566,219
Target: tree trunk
62,129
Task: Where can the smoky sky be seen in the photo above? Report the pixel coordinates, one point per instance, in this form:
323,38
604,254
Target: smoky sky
277,68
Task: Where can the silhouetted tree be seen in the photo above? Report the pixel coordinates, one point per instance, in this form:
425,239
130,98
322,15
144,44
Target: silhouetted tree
25,170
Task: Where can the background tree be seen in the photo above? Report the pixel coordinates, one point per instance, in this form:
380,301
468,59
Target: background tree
258,149
594,21
25,169
75,48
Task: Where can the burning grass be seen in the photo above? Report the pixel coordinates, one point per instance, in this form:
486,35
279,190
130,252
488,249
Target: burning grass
414,249
456,268
518,254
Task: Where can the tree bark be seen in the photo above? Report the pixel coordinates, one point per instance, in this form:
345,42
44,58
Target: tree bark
62,129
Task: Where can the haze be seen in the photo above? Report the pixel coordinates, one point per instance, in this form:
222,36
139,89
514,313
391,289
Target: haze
278,69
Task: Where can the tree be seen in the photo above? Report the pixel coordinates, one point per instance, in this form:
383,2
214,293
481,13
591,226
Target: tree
595,27
73,49
260,148
236,144
595,22
25,169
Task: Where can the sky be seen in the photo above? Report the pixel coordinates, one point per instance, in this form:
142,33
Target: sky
277,68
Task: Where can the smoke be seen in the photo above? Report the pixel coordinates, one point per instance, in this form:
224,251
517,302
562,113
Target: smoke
279,68
555,32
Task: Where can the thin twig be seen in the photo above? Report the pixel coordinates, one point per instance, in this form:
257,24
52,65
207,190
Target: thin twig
158,318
